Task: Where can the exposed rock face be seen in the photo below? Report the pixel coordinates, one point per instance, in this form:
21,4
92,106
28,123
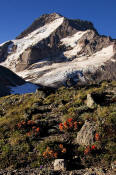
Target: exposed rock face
85,136
4,50
55,49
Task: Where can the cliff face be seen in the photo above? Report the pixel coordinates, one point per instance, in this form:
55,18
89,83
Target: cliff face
55,50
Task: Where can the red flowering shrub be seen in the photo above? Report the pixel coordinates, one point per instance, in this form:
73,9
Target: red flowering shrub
51,153
69,125
30,127
89,149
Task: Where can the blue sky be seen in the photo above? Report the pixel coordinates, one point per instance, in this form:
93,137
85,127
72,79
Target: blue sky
17,15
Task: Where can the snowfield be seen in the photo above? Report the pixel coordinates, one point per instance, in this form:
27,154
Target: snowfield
73,40
59,71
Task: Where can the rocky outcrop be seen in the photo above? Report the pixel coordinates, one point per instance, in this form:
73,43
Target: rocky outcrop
4,49
85,136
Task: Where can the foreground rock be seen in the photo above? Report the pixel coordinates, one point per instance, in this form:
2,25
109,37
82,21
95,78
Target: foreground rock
86,135
90,101
60,164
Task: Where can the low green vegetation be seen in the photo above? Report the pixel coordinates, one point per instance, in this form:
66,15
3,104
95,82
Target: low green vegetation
35,130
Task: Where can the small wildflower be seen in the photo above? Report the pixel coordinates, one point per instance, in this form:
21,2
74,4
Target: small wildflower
19,125
80,123
70,120
28,134
29,122
61,126
37,129
44,154
55,155
61,146
64,150
93,147
51,153
97,137
87,150
41,166
75,125
65,125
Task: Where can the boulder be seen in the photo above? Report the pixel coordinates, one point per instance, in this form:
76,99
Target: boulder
113,166
90,101
86,135
59,164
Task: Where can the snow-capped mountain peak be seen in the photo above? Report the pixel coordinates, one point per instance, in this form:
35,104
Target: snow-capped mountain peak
54,50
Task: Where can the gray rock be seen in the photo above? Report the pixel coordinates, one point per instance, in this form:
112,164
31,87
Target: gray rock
59,164
86,135
113,166
90,101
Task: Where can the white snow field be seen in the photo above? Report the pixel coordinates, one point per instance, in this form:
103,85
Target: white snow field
59,71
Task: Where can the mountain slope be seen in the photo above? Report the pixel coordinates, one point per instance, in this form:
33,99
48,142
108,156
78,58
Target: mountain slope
36,130
55,50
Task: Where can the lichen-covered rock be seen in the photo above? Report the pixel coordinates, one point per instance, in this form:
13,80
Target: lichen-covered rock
59,164
113,166
86,135
90,101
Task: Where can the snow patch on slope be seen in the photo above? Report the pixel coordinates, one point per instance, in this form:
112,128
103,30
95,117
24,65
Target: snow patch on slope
73,40
59,71
25,88
30,40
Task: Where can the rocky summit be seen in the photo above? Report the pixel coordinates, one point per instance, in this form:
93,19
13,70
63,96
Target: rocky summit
57,51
